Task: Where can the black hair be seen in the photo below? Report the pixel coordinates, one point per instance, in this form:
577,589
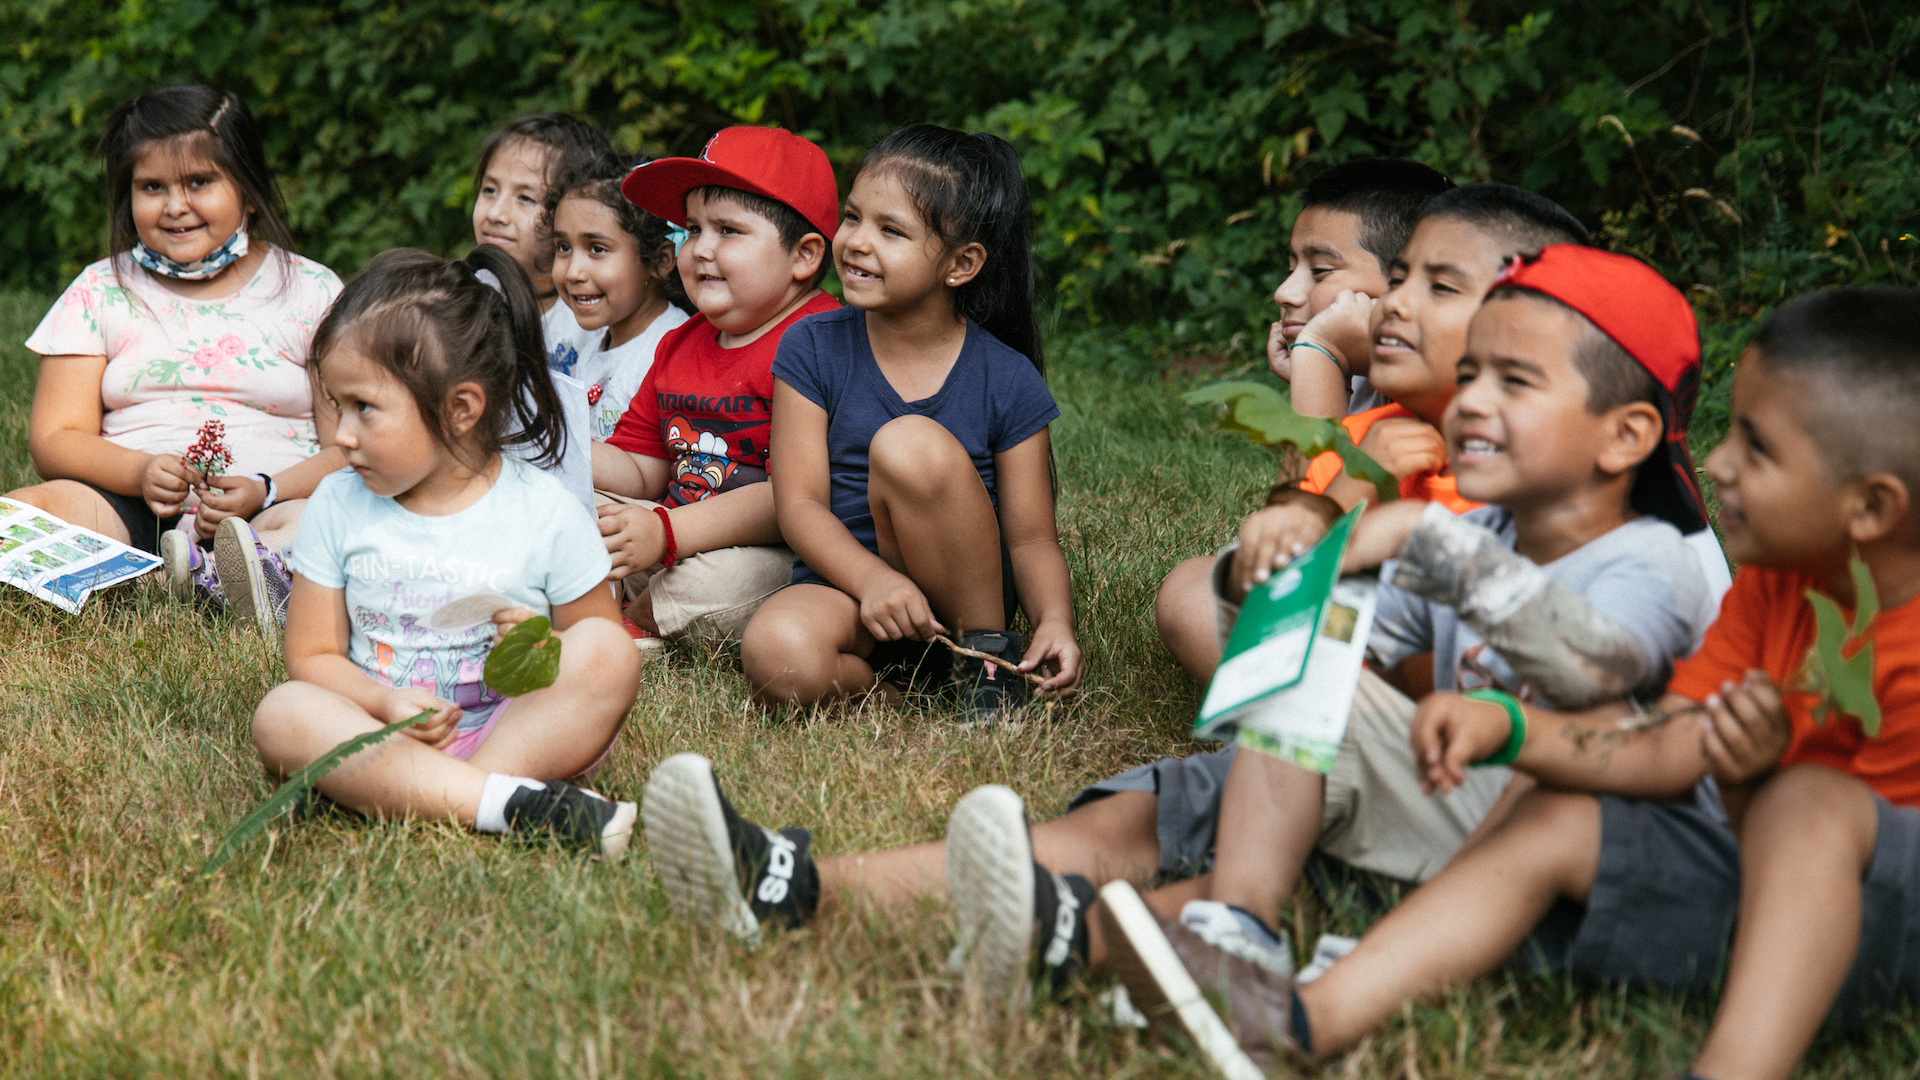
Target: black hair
1529,221
571,144
1386,194
1614,378
434,323
600,181
1861,347
786,220
207,120
969,189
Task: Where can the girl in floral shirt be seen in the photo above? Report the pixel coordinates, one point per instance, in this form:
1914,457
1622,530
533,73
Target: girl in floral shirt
201,312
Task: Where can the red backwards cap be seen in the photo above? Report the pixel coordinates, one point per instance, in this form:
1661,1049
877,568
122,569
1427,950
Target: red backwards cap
765,161
1632,304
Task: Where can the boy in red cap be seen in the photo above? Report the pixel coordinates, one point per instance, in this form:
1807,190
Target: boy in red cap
1569,422
685,510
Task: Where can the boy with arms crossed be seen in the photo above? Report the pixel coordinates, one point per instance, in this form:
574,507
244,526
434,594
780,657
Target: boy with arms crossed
685,508
1818,861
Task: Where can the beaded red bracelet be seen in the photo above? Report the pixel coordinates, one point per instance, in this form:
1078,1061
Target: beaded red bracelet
672,549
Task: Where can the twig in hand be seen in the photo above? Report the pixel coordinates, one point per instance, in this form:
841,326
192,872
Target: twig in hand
989,658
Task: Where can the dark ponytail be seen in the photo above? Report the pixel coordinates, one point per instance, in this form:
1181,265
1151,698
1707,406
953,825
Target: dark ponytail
434,323
969,189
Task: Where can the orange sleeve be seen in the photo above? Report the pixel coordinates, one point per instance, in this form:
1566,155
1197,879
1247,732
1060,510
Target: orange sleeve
1733,643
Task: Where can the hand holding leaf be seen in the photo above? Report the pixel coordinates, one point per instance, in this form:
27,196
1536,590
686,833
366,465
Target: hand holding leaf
1262,414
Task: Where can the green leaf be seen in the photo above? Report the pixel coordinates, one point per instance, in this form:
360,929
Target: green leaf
289,793
527,659
1844,683
1867,598
1263,415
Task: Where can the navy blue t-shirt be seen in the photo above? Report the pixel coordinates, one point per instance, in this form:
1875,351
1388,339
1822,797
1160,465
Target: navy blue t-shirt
993,400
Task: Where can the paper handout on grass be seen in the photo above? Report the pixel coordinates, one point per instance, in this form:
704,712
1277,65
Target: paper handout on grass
60,563
1287,676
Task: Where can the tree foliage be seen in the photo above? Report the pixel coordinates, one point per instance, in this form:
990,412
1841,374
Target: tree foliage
1750,149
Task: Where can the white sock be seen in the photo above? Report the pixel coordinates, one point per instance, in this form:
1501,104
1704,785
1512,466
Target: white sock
492,815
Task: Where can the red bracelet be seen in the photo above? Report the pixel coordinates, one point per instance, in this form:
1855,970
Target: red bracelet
673,550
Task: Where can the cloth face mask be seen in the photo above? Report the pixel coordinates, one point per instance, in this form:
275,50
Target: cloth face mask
216,260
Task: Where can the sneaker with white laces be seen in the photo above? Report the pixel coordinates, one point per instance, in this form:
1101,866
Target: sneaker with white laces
715,865
574,816
255,583
1238,932
191,572
1021,926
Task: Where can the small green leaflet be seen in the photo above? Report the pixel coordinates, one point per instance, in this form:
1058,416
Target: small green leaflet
289,793
1264,415
1844,683
527,658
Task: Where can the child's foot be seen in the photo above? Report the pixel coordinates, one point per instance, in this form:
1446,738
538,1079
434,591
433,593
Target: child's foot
573,815
191,572
716,866
255,583
1328,950
1020,924
1240,933
1169,972
642,640
988,692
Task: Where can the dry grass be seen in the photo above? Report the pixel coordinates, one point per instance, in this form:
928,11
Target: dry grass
339,948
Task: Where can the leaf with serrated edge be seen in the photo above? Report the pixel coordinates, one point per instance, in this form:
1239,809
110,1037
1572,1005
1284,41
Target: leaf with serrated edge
1263,415
527,659
289,793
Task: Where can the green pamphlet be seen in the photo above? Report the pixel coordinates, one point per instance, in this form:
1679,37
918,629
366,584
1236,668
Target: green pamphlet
1290,667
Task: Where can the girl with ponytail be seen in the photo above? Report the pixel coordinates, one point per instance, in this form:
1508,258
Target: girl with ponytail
914,478
412,563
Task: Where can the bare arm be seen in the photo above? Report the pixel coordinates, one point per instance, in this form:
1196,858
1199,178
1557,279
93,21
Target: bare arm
637,540
635,476
317,636
1319,386
1039,567
1575,751
244,496
63,437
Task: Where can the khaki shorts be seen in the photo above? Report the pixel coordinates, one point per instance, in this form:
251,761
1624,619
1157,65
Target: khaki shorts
711,595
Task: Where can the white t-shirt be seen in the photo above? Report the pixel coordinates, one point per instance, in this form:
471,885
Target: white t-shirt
525,540
564,338
611,376
174,363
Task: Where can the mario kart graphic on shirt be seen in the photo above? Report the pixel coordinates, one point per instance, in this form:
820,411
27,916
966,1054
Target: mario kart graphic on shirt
705,463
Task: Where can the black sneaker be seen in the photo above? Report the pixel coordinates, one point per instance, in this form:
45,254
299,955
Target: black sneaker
716,866
988,692
1021,926
574,816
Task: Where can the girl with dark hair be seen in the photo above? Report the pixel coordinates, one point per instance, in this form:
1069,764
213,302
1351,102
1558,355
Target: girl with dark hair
613,264
412,565
914,481
201,312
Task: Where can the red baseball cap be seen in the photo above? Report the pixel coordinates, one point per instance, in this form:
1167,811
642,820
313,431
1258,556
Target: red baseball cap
1647,317
766,161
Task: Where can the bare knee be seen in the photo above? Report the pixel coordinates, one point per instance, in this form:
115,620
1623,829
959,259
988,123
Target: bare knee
1559,833
1113,837
913,454
786,660
601,647
74,502
278,722
1813,805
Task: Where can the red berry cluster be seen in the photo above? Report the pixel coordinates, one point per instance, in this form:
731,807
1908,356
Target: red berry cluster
209,452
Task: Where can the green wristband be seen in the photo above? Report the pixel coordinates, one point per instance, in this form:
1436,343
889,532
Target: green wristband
1517,738
1328,353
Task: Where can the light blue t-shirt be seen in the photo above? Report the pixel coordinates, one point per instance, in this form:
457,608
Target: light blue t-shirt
527,542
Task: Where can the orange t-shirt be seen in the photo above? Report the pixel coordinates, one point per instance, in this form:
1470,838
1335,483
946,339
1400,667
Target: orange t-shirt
1767,624
1425,486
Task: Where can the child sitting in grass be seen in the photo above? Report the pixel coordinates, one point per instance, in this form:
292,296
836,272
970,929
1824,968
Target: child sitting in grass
685,509
434,545
613,264
1758,804
915,482
1462,238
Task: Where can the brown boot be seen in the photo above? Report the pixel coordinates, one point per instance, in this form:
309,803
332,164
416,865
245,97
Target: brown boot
1171,975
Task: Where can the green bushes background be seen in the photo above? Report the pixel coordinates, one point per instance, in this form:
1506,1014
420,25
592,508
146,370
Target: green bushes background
1749,149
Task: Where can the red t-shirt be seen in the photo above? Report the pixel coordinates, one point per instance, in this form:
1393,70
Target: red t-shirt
706,408
1767,624
1425,486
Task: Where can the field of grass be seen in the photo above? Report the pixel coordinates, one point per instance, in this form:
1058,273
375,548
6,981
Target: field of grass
339,948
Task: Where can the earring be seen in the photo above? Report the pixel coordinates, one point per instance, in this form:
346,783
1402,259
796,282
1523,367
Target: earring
953,281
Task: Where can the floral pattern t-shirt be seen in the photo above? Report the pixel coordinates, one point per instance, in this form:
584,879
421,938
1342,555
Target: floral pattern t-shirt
175,363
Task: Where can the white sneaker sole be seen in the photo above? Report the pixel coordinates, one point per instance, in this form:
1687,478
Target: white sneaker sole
687,840
1159,986
619,832
176,555
990,878
238,561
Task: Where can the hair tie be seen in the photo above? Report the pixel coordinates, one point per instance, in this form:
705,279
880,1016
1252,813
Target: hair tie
489,279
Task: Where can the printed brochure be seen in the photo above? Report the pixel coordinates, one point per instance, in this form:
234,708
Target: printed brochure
60,563
1287,676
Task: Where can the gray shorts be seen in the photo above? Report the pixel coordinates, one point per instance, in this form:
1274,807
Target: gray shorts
1667,893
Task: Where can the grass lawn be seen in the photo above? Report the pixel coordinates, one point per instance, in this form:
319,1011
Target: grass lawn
338,948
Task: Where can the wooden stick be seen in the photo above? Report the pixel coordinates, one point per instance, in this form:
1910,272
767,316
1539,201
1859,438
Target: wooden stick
989,658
